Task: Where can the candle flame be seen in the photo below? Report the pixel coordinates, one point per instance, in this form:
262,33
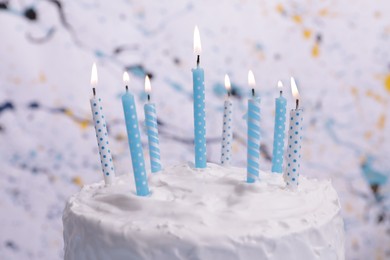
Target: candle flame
94,75
228,86
280,85
294,88
251,79
197,44
148,86
126,78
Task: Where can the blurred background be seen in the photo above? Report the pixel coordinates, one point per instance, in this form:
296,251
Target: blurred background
338,51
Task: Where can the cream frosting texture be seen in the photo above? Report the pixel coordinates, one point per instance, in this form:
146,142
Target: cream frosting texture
204,214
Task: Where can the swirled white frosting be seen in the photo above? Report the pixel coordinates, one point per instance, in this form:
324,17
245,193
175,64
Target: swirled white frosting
204,214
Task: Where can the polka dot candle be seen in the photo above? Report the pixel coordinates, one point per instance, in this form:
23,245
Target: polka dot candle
102,140
294,149
134,138
199,109
279,133
227,133
294,136
227,130
101,131
199,118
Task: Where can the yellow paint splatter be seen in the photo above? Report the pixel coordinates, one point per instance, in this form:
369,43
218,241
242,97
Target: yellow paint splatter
387,83
297,18
381,122
84,124
68,112
78,181
368,135
235,147
280,8
16,80
354,91
307,33
377,14
120,137
348,207
376,97
323,12
355,244
315,51
42,77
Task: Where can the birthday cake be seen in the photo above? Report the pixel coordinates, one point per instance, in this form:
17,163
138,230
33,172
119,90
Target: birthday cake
204,214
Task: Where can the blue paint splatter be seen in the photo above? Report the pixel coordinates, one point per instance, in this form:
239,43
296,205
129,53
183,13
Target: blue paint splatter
373,176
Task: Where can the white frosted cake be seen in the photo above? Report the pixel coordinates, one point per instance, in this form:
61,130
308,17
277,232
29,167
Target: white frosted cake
204,214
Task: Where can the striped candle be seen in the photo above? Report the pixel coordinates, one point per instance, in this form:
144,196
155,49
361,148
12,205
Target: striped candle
279,131
199,108
294,143
253,145
152,130
227,131
101,132
134,138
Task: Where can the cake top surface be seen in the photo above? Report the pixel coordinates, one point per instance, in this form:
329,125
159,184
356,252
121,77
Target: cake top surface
187,202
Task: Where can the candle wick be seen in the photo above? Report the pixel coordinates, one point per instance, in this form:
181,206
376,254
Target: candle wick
127,88
253,92
297,103
94,92
281,93
148,97
198,61
229,93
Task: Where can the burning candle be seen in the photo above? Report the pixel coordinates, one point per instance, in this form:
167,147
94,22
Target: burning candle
253,145
199,107
152,129
101,131
279,131
227,131
294,142
134,138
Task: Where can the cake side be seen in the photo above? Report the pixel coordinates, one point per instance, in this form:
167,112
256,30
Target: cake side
206,214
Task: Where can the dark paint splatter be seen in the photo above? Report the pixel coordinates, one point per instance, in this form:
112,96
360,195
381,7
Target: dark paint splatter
7,105
319,38
139,71
4,5
11,245
49,34
159,122
264,151
61,13
236,92
33,105
31,14
176,61
124,48
59,110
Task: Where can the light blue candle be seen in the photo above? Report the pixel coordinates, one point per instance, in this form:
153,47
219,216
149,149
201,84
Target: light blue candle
279,132
134,138
152,130
253,143
199,108
294,143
